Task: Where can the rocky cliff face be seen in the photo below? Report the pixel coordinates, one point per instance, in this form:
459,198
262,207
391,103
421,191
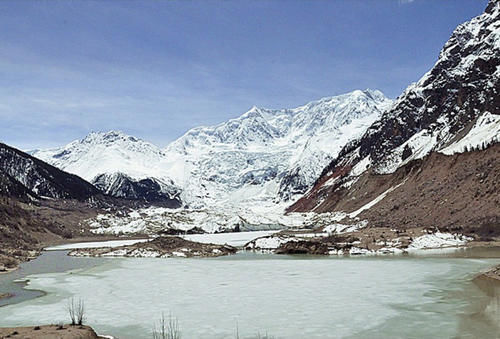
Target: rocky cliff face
454,108
440,108
149,190
10,187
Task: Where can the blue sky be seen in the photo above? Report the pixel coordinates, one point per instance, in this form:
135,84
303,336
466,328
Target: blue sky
154,69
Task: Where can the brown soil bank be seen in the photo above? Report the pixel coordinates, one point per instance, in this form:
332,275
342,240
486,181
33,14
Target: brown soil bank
494,274
458,193
49,332
27,227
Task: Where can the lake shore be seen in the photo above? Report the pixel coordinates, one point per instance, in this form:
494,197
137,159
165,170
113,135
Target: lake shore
10,260
493,274
365,241
160,247
50,332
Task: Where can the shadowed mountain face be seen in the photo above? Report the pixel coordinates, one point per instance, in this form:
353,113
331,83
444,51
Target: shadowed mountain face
150,190
18,169
10,187
113,158
454,108
27,220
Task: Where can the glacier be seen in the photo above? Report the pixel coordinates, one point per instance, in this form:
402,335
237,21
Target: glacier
240,173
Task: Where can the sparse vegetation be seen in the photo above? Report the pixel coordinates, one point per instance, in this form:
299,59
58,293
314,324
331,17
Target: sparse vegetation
167,329
76,311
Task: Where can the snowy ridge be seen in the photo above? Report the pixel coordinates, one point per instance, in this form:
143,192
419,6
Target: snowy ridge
106,152
263,127
28,177
453,108
268,154
118,164
262,156
472,44
485,131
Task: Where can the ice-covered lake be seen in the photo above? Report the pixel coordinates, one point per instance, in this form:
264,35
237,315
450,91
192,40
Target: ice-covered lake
283,296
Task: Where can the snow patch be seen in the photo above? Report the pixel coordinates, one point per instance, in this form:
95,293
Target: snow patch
439,240
374,201
95,244
485,130
343,228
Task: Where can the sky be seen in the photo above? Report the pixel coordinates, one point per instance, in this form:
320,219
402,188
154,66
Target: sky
155,69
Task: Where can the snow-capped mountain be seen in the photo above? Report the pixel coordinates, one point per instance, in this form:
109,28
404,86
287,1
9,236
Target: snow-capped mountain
271,154
455,104
118,164
105,152
267,127
263,155
414,163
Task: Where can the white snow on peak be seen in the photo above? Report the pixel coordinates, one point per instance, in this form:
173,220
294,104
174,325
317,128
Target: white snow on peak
262,127
246,159
239,166
110,153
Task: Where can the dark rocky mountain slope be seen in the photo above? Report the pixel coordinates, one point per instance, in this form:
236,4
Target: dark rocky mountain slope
416,160
40,204
150,190
40,178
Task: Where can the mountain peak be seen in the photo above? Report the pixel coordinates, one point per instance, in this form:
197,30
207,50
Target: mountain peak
108,137
453,108
254,109
375,94
105,152
262,127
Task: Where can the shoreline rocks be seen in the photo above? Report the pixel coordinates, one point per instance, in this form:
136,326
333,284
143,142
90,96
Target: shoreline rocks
161,247
493,273
366,241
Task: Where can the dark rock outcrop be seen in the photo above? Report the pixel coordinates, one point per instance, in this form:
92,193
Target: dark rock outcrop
150,190
40,178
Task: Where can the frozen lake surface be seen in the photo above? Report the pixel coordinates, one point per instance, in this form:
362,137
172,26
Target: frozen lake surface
95,244
237,239
284,296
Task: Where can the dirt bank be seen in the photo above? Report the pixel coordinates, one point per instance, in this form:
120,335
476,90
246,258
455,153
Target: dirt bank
493,274
28,227
49,332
